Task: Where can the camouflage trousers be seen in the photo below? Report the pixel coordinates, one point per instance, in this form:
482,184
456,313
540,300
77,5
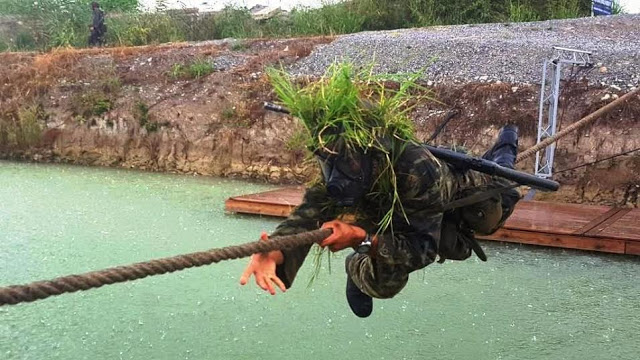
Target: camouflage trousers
375,278
380,279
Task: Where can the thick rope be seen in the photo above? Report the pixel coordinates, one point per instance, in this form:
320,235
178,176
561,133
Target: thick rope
15,294
575,126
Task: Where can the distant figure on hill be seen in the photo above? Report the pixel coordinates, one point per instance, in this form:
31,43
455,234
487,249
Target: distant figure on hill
98,28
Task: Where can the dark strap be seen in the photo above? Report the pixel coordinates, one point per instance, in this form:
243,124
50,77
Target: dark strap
477,249
478,197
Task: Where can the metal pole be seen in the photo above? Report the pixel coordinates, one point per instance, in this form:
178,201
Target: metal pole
549,99
541,112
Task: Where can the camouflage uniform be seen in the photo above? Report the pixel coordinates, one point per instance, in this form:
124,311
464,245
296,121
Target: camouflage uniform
98,28
425,185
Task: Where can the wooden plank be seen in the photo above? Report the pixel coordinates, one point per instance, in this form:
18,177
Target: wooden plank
632,248
553,218
605,224
626,227
279,202
247,207
559,240
599,221
287,196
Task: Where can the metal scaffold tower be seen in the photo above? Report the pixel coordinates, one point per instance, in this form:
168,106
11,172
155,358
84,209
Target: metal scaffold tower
549,96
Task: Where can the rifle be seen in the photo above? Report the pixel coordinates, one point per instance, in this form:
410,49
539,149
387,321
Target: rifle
464,161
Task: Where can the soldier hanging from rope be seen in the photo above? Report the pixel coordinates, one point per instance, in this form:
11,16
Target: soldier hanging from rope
374,169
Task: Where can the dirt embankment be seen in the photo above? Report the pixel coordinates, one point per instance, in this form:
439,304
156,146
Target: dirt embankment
150,108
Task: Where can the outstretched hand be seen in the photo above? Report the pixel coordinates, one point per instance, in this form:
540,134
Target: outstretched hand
263,268
344,235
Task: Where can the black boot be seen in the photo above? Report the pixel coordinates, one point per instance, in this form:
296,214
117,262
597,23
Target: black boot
504,153
360,303
505,149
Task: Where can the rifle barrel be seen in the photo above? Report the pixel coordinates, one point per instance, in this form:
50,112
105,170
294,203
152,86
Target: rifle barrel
491,168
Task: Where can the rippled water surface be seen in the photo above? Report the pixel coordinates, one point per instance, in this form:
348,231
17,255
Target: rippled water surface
525,303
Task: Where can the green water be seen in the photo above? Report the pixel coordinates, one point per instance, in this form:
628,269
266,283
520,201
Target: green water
525,303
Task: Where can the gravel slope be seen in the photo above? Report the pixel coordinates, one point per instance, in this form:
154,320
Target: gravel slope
512,52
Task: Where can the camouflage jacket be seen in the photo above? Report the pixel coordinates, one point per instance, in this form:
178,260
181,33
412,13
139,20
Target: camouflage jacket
424,185
98,20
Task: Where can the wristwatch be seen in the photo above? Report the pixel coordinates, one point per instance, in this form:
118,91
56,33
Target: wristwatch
365,245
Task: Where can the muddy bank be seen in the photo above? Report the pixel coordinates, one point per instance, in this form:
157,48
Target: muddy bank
144,108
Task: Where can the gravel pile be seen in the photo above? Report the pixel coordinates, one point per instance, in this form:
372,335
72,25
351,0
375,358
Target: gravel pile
511,52
226,62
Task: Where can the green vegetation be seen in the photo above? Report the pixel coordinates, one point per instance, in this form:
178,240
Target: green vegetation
22,129
79,120
65,22
617,8
24,41
96,100
29,7
239,46
297,142
56,23
137,29
92,103
229,113
350,107
111,84
520,11
141,113
151,126
177,71
564,9
327,20
234,22
195,70
199,68
101,106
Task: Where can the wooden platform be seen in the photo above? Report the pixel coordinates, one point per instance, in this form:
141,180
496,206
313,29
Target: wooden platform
571,226
278,202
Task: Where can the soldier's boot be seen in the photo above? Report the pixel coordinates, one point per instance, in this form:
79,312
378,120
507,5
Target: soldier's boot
505,149
360,303
504,153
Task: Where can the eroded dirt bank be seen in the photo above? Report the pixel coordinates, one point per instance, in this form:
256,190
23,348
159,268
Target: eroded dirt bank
144,108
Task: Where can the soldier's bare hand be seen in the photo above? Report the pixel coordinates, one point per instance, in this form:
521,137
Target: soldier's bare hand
344,235
263,268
